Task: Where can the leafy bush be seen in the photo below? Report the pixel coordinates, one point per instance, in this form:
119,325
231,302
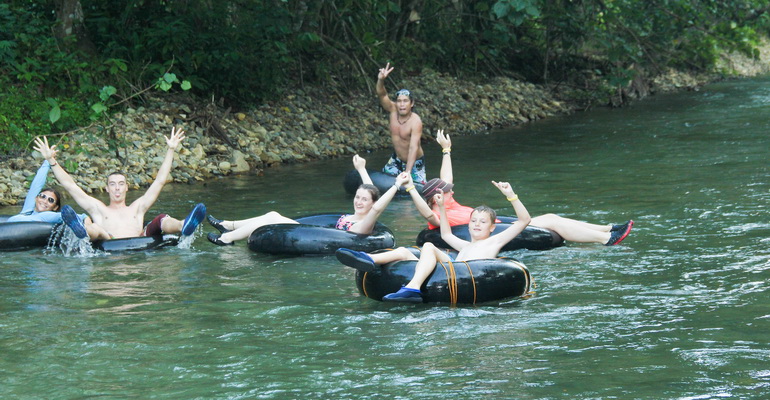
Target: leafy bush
247,52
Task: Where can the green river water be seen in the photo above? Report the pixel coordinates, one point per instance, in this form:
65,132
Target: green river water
680,310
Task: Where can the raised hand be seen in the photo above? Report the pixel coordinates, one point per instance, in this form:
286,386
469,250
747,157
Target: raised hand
48,152
443,140
359,162
384,72
409,180
439,198
403,178
505,188
177,136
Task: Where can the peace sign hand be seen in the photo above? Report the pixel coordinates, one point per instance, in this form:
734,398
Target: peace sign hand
384,72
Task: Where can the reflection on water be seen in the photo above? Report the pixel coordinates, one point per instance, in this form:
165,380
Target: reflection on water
678,311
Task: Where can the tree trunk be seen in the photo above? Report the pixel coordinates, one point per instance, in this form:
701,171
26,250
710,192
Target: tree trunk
69,13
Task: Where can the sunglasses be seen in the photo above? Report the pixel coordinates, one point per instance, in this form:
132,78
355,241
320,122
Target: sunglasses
50,199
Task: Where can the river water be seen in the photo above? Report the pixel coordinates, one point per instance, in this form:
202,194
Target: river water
680,310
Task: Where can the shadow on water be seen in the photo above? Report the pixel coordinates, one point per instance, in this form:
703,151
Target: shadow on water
679,310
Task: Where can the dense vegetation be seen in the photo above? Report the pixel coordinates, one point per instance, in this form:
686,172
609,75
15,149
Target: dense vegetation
66,63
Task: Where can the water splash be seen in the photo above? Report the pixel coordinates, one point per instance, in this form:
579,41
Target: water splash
63,240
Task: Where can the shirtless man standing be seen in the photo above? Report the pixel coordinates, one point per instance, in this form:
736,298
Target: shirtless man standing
405,131
118,220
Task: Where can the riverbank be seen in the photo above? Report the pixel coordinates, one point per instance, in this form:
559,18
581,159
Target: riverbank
307,124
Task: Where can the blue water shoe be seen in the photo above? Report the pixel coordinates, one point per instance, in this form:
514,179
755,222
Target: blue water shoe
194,219
356,259
404,295
618,235
617,227
70,217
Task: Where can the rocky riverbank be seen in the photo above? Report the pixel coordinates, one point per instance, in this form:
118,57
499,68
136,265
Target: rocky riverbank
304,125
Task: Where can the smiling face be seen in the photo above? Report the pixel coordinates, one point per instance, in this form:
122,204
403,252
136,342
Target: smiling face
481,225
363,201
47,200
117,187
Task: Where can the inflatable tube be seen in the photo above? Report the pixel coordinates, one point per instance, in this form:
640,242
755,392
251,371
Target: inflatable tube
380,179
316,234
136,243
532,238
15,236
462,282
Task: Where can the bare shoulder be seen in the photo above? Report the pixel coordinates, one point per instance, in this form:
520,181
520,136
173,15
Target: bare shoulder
140,205
415,123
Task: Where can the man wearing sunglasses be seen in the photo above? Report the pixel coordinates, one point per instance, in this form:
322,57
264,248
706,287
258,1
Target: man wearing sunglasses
118,219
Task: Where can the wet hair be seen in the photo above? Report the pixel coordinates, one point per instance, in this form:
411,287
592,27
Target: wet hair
57,204
491,212
405,92
372,190
117,173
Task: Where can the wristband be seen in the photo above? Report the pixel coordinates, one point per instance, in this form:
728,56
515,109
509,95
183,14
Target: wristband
447,150
52,165
512,199
409,188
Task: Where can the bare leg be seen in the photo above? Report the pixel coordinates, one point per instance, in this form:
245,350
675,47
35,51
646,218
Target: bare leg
398,254
426,264
95,232
171,225
573,230
243,228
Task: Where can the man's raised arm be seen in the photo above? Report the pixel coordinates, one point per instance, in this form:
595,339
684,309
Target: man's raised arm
382,94
152,193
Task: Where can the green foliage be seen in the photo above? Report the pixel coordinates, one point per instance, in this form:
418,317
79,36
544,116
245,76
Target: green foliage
167,81
50,87
516,12
21,117
248,51
234,50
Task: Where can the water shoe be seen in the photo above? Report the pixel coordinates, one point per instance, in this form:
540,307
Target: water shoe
405,295
217,223
356,259
194,219
618,235
214,238
70,217
617,227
